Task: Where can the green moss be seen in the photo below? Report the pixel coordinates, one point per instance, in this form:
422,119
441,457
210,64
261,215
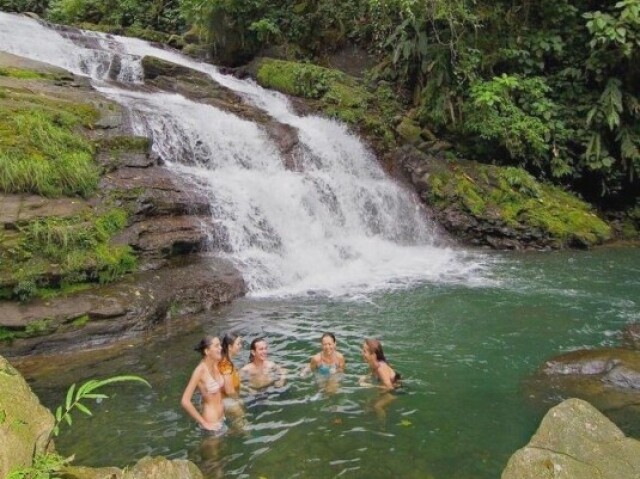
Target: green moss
125,143
514,197
338,95
23,74
53,255
41,150
81,321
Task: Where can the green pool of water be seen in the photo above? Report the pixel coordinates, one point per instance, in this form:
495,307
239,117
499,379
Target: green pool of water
464,351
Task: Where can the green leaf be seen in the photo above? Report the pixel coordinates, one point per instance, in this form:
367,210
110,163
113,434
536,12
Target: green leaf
67,417
70,396
84,409
59,414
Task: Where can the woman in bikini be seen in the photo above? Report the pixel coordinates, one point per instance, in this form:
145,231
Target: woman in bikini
207,379
328,361
388,379
231,346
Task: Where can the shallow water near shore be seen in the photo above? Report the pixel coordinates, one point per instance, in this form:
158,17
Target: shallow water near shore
463,349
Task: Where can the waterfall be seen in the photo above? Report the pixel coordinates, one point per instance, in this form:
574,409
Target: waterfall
337,226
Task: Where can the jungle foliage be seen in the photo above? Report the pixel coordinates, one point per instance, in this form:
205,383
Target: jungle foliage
551,86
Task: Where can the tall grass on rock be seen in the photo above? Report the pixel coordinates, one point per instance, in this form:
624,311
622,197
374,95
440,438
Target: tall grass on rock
42,150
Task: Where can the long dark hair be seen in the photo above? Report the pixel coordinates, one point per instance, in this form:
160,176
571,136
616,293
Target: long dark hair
375,346
204,344
252,348
227,341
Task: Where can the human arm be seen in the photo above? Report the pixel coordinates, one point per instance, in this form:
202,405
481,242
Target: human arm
385,373
341,363
187,396
282,375
309,368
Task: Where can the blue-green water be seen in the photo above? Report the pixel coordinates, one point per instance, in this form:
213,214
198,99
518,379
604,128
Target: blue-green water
464,351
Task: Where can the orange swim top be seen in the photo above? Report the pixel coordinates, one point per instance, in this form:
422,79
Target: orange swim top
226,367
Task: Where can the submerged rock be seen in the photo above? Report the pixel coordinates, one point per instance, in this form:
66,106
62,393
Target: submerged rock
145,468
575,441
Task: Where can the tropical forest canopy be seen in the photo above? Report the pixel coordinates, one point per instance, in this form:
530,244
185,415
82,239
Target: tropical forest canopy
552,86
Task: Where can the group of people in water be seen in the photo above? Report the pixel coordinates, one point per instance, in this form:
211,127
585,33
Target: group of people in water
218,379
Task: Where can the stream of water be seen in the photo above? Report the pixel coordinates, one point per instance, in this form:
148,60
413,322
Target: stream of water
336,246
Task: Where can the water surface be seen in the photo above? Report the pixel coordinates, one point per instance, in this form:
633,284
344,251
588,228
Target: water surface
464,348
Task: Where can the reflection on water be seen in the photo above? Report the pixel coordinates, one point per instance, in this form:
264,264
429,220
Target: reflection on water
464,352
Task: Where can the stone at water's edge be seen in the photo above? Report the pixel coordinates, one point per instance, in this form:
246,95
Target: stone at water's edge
576,441
25,424
145,468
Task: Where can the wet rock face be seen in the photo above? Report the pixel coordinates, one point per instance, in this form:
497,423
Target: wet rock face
502,208
575,440
618,367
200,87
25,424
102,315
168,223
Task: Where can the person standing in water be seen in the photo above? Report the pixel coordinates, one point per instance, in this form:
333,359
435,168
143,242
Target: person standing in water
373,355
207,379
328,361
260,371
231,346
388,379
328,364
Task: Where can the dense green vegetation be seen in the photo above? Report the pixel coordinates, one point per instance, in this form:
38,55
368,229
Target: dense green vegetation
45,150
41,149
550,86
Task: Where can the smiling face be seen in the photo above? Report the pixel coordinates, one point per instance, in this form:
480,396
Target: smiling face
328,346
260,350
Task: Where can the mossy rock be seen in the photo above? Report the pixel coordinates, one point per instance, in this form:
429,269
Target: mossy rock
335,94
511,198
25,424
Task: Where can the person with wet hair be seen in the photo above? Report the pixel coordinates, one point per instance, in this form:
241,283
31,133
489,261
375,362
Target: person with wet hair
328,361
388,379
261,371
207,379
380,369
231,346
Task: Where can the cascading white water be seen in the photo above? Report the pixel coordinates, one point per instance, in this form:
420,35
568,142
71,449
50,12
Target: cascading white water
337,226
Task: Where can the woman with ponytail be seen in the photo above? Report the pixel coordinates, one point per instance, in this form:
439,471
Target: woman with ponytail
207,379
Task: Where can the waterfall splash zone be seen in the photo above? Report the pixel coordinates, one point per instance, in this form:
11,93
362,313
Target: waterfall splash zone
336,226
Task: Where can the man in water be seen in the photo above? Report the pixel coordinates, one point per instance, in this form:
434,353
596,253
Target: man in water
260,371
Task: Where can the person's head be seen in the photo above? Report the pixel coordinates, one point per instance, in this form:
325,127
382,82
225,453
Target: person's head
372,348
231,345
328,341
258,349
209,346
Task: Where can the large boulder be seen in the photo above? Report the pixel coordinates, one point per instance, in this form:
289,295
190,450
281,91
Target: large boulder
25,424
576,441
